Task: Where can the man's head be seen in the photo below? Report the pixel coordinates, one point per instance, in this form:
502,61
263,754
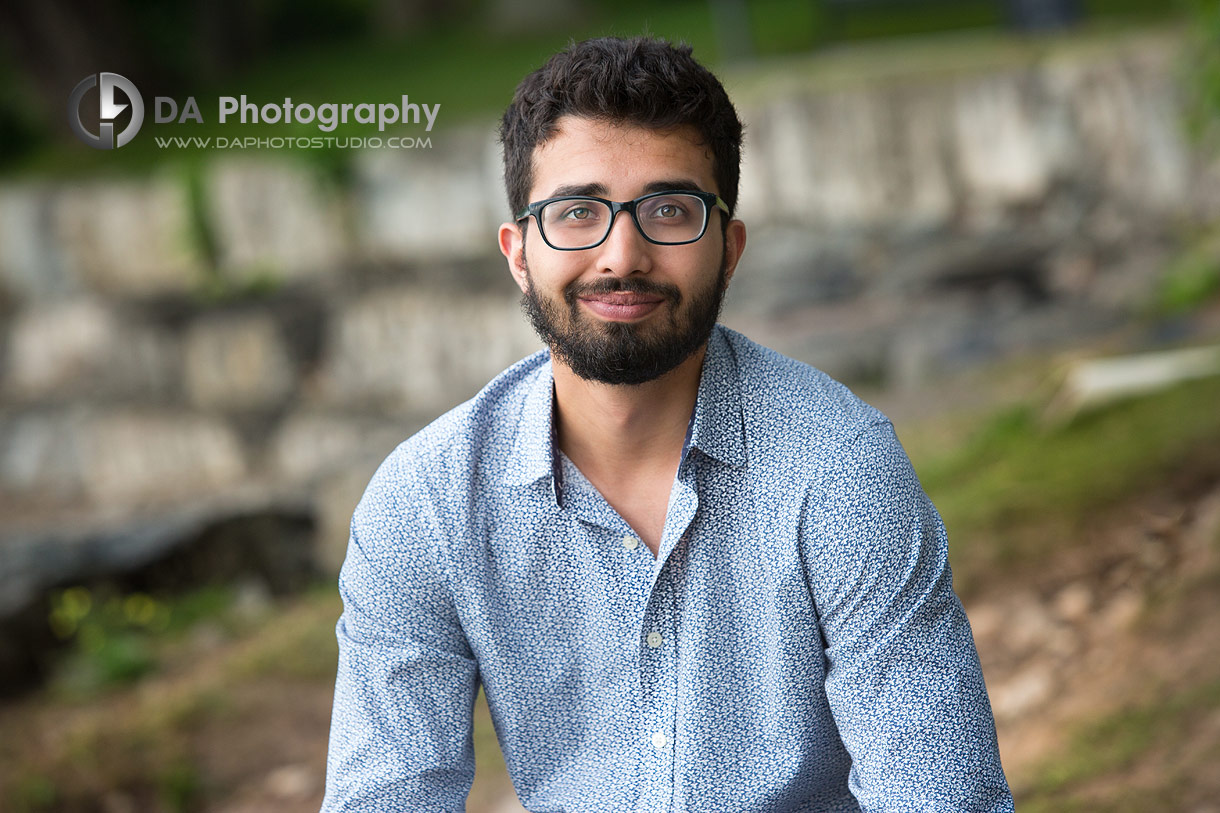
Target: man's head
624,284
641,81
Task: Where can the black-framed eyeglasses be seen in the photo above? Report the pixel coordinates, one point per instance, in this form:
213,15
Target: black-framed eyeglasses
576,222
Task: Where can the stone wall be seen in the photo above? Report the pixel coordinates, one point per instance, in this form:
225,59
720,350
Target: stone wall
261,337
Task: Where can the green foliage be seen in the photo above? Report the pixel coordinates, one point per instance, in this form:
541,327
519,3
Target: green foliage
1116,743
1201,65
786,26
298,645
1015,473
180,786
1191,281
210,604
203,236
32,792
20,131
260,283
110,636
914,18
115,639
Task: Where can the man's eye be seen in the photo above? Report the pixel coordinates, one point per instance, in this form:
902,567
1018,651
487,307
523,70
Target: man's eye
667,209
579,213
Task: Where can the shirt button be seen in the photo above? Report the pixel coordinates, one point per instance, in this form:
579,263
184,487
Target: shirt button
654,639
659,740
630,542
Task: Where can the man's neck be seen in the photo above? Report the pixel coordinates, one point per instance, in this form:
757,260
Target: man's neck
621,429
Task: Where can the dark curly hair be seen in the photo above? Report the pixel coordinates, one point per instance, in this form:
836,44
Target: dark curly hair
642,81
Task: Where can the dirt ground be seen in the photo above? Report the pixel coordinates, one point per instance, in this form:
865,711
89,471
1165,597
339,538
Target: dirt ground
1123,625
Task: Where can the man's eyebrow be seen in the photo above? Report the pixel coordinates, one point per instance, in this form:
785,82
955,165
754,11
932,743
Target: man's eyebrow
597,189
601,190
673,185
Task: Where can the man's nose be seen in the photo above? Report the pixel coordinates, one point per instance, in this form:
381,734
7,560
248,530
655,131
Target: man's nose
625,251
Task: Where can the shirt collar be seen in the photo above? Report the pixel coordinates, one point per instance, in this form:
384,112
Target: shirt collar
533,451
718,429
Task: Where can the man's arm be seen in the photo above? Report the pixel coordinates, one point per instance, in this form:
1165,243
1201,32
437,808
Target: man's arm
903,680
400,734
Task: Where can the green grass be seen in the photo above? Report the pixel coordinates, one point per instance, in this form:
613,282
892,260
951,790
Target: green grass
300,644
135,734
1190,281
1015,473
1115,744
119,639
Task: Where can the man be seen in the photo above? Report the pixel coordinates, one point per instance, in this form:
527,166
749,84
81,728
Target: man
689,573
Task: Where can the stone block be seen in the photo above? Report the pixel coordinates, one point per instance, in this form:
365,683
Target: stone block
790,268
236,363
83,347
416,351
863,157
41,455
34,262
118,458
1127,113
307,447
434,205
135,456
52,347
927,197
829,153
129,238
273,220
1000,158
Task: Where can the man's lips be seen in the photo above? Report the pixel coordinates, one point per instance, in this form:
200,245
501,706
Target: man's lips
621,304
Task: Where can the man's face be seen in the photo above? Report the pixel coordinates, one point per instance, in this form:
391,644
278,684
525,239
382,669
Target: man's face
626,311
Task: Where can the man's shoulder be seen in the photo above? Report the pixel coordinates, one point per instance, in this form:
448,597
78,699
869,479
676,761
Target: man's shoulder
481,428
789,395
804,426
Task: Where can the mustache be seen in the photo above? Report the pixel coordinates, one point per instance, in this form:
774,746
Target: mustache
621,286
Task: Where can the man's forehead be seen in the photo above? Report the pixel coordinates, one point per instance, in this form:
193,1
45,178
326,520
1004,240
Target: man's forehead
580,148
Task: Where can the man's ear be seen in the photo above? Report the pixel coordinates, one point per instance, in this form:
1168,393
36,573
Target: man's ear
734,246
512,246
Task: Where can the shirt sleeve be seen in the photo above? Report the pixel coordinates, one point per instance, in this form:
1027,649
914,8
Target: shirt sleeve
400,734
903,681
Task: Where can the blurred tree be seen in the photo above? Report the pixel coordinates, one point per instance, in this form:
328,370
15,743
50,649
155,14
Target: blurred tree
732,18
519,16
53,44
396,18
1203,69
176,48
1043,15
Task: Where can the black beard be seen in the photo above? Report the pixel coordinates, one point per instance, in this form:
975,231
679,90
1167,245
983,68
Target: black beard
625,352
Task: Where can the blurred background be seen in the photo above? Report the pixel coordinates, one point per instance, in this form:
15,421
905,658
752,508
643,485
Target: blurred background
998,220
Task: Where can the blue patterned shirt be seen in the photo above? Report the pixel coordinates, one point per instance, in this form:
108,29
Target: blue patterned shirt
795,645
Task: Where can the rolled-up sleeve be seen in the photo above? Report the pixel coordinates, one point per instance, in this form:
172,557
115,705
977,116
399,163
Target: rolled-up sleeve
400,734
904,681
